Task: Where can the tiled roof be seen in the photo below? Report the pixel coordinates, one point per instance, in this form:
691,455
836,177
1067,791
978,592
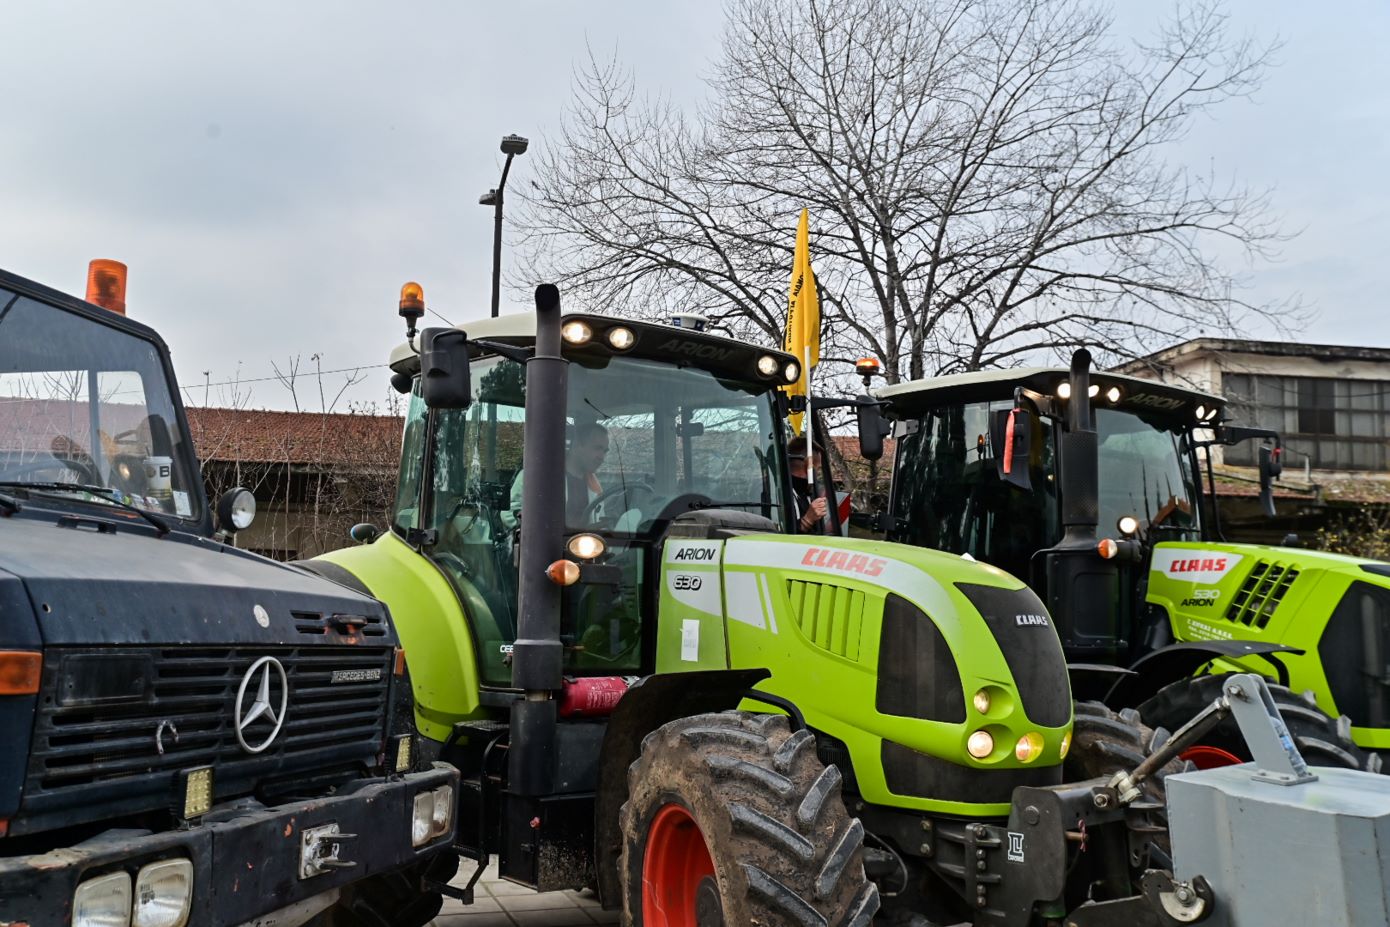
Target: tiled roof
257,436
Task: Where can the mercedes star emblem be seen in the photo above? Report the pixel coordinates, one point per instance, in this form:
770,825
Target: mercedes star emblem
258,723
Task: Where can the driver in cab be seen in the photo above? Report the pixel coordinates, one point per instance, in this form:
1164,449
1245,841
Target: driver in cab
587,452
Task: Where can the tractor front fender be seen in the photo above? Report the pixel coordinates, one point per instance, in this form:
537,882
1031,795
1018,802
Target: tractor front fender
649,704
1153,671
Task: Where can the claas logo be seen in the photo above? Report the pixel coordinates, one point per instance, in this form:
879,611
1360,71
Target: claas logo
1212,564
840,560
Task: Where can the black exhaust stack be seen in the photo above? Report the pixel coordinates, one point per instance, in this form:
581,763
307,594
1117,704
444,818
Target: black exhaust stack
537,658
1082,586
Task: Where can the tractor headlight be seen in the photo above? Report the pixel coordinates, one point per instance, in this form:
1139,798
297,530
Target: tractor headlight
586,546
767,365
981,701
1066,744
1201,413
980,744
163,894
102,902
792,372
1029,747
1128,525
1112,395
576,332
621,338
1064,390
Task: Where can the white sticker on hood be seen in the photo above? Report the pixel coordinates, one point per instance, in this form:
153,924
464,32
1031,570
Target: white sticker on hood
1194,566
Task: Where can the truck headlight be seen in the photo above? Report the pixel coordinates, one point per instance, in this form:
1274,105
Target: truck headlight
443,809
431,815
163,894
102,902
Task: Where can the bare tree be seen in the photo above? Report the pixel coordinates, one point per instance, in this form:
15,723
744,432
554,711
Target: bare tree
986,178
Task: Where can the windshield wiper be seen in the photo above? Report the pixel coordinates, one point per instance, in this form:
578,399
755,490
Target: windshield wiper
105,492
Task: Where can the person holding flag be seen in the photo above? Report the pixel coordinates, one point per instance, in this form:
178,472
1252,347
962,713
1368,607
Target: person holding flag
803,341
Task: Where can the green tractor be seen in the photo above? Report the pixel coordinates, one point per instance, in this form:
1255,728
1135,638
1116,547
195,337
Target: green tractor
1090,486
654,689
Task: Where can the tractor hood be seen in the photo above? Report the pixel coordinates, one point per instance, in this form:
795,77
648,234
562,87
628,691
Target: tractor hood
125,586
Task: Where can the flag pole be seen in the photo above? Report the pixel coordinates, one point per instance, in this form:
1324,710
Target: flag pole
810,425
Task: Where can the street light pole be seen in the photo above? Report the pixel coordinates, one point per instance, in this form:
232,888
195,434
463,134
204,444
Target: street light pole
512,145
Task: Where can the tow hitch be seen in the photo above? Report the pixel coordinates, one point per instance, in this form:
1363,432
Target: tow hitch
319,849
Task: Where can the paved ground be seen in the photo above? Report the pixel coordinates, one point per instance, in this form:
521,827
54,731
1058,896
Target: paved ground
502,904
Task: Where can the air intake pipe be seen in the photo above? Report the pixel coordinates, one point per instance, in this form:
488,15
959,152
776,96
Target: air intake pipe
1082,587
537,657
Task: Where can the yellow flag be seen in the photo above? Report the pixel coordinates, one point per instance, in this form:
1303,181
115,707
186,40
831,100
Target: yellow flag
803,313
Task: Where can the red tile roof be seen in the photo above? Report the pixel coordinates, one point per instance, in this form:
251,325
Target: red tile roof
257,436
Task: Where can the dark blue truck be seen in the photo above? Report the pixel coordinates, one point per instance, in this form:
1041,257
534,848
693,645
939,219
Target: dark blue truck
189,733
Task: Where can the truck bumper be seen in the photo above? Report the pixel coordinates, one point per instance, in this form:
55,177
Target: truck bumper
245,863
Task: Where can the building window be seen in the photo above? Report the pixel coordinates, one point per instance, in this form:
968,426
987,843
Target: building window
1330,424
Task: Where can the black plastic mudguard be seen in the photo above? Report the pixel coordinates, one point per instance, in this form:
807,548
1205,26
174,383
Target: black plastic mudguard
1153,671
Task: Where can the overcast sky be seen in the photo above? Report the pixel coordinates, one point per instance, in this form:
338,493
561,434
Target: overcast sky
272,172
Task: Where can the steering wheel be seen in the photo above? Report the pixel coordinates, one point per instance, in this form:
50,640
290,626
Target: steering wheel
591,510
81,468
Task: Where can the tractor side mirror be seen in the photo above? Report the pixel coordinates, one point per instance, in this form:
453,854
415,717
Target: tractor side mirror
1271,465
872,428
444,381
1010,438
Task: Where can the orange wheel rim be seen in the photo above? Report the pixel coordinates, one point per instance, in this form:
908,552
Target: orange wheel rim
1204,757
674,865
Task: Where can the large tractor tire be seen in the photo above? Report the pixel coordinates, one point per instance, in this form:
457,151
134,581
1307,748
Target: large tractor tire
1322,739
1103,742
731,820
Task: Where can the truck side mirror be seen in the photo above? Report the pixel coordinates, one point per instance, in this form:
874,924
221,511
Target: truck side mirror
1010,438
872,428
1271,465
444,381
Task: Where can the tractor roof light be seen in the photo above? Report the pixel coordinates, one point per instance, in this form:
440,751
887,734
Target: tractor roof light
563,572
1112,395
1128,525
768,366
620,338
576,332
980,744
1093,391
868,367
792,372
1064,390
586,546
1201,413
1212,414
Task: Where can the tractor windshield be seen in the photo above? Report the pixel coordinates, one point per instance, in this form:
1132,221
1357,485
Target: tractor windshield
1144,473
948,494
646,441
87,413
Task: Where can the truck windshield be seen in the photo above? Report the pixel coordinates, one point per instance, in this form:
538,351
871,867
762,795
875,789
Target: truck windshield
87,404
645,440
1144,473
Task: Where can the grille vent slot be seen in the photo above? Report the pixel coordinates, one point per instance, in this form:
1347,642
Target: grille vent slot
1261,593
831,617
318,623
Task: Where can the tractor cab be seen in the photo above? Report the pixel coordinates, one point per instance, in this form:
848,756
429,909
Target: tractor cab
994,464
662,426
